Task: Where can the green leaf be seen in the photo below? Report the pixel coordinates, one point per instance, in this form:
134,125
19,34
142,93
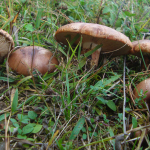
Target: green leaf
29,27
111,105
5,79
59,143
129,14
83,129
101,99
23,118
27,129
19,131
128,109
22,136
120,116
134,122
77,128
37,128
111,79
31,139
106,81
2,117
15,122
84,136
32,115
106,10
15,101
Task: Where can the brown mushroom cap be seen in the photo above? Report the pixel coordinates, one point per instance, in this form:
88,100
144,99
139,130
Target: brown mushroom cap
143,45
6,44
32,57
94,34
145,86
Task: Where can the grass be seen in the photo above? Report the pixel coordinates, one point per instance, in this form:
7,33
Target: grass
76,107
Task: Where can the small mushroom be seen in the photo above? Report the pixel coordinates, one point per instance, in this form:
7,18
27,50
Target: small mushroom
93,35
25,59
145,87
144,47
6,44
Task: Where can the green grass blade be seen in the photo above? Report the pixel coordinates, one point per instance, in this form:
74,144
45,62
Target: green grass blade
23,80
5,79
27,101
15,101
7,22
38,18
92,51
68,95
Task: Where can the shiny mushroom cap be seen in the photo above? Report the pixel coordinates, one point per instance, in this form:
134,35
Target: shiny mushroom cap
25,59
145,86
92,35
6,44
143,45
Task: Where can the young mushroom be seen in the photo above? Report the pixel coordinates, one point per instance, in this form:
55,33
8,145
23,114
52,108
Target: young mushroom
141,46
93,35
145,87
6,44
25,59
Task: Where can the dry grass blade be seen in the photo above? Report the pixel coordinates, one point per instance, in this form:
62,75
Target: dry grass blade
7,140
141,139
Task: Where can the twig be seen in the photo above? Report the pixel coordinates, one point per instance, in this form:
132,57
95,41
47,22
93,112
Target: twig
93,133
113,86
64,128
124,104
15,32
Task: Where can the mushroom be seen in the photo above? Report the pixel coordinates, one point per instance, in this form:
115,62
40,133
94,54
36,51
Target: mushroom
93,35
145,87
6,44
144,47
138,134
25,59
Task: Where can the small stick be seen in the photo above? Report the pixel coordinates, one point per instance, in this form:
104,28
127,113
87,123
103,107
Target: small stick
124,103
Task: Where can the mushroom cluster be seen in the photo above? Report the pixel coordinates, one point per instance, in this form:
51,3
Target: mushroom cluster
27,59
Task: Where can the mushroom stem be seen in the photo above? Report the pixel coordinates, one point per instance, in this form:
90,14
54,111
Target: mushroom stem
95,57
